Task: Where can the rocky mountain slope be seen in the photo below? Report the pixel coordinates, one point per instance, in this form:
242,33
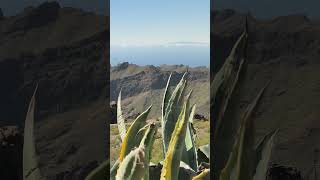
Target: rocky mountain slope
286,51
144,85
64,51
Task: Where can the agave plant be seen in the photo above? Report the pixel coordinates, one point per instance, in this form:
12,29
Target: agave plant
31,169
242,160
181,155
183,160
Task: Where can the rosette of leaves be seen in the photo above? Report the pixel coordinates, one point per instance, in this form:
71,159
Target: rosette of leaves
178,137
243,160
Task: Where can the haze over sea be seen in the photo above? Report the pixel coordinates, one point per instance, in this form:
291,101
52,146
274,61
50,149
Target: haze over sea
155,32
192,54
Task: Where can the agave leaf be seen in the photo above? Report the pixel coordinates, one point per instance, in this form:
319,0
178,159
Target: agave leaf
181,94
99,173
190,154
238,164
219,111
229,171
226,80
225,101
114,169
171,113
221,91
204,175
147,142
263,152
185,171
131,140
166,97
133,166
141,133
205,150
31,169
120,119
171,164
155,171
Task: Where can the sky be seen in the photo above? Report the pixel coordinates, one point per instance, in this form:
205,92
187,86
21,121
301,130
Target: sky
271,8
160,32
155,22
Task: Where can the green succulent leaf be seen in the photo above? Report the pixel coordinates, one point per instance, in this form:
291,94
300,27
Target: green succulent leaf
204,175
221,91
205,149
166,97
133,166
131,140
31,169
239,164
171,164
147,143
171,111
120,119
263,152
190,153
225,81
185,171
99,173
114,169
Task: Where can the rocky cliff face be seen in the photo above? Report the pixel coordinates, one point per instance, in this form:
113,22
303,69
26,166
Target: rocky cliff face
144,85
64,51
285,36
63,70
285,51
40,16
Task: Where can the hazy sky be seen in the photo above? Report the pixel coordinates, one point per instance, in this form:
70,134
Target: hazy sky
12,7
154,22
271,8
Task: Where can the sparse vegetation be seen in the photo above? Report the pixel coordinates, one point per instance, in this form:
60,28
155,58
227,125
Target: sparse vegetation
170,142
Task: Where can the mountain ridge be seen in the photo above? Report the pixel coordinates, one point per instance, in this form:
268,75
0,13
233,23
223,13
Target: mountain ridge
144,85
64,51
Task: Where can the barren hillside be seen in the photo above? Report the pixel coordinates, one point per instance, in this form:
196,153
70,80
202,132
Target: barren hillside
62,50
284,50
144,85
